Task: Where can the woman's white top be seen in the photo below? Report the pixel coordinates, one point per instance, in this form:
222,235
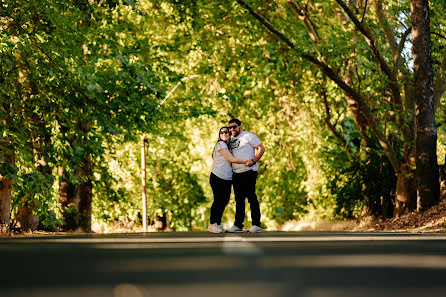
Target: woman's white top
221,167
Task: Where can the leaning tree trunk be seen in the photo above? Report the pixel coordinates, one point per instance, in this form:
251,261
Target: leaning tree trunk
428,186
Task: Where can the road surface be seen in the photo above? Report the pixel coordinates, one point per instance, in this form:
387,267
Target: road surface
307,264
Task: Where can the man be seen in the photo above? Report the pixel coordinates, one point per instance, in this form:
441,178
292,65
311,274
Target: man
245,146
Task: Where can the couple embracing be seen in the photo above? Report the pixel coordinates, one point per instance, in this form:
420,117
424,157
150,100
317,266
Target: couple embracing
235,163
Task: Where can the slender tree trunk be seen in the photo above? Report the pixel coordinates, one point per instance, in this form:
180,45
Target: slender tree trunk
85,197
68,191
85,188
7,155
5,183
5,203
69,200
428,186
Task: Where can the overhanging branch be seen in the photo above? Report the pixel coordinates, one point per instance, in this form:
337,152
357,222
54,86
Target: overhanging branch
349,91
376,53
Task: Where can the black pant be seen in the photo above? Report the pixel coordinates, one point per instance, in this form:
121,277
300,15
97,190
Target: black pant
222,192
245,187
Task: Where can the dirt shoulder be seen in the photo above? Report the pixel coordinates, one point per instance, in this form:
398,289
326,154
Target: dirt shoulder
430,220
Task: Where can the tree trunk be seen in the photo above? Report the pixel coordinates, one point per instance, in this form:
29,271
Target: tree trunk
25,216
85,188
428,186
69,200
76,199
85,197
5,203
5,182
405,195
68,191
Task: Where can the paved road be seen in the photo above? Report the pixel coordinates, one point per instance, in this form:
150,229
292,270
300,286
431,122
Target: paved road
276,264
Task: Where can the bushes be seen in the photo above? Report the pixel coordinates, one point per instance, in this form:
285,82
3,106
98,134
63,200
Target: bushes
361,183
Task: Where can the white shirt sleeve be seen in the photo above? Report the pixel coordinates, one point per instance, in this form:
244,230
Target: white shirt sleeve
221,145
254,140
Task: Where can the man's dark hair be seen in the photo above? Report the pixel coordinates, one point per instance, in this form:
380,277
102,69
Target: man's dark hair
237,121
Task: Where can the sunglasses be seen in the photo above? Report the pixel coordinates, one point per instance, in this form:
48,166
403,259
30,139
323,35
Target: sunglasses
233,127
224,132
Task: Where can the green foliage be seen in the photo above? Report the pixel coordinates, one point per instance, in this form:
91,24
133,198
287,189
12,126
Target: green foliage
360,183
85,80
35,190
281,189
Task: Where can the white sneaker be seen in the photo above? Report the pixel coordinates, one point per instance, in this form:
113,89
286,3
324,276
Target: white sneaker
234,229
221,228
255,229
215,228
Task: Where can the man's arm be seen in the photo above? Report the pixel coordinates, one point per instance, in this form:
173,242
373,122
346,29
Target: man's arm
260,150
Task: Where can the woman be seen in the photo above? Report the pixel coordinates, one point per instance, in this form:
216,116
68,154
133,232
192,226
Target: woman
221,179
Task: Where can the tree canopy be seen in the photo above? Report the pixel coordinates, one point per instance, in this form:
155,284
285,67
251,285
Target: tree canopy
330,88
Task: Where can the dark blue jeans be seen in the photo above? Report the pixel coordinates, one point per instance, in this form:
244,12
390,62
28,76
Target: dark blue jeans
222,192
245,187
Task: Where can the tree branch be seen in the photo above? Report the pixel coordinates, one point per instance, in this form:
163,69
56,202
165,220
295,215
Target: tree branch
267,24
328,119
308,23
385,25
349,91
400,49
372,44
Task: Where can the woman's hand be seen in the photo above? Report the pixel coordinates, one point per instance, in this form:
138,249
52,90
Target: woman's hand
249,163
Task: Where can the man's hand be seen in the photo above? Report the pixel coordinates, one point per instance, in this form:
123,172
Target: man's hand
249,163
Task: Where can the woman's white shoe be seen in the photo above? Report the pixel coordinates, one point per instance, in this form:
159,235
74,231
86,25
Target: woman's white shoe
216,228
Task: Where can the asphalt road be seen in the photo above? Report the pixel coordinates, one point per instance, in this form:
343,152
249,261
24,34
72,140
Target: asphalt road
307,264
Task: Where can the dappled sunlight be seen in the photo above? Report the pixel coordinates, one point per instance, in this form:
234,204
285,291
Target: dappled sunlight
127,290
319,225
362,260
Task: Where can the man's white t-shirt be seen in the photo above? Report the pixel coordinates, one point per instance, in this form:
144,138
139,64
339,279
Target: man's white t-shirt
220,166
242,147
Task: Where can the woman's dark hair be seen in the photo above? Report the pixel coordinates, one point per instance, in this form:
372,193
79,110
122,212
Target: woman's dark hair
219,139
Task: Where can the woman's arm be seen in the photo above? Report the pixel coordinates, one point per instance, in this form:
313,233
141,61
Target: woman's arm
227,155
